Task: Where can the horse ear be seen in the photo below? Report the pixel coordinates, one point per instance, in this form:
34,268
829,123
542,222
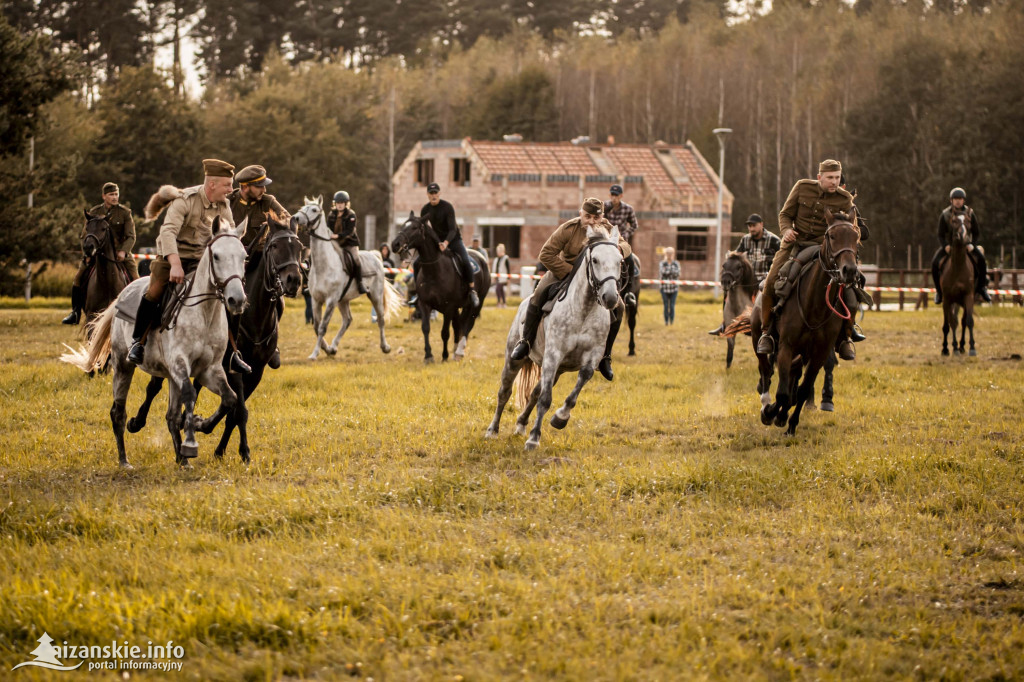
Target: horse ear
411,215
216,224
853,214
87,216
614,234
293,223
320,200
828,216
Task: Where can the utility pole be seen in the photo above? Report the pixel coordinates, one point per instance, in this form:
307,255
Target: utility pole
721,134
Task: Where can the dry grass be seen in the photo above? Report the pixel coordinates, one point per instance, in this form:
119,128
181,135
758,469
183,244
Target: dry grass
665,534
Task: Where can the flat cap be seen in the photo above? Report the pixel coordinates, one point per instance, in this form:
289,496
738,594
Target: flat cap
109,187
253,175
829,166
218,169
615,189
754,219
433,187
593,206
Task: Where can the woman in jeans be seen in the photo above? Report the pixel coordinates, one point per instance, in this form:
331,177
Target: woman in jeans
669,269
501,268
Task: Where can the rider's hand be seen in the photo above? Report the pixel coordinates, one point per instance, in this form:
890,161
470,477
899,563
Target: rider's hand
789,236
947,249
177,273
120,255
970,247
444,245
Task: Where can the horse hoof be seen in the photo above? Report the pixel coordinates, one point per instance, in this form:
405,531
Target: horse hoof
945,352
780,419
312,356
766,399
219,453
125,465
809,405
558,422
428,361
490,433
245,458
331,350
827,407
386,349
766,418
973,353
531,445
459,358
520,430
956,351
134,425
189,451
631,353
791,431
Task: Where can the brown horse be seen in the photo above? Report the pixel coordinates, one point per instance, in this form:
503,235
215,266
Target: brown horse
957,282
809,323
740,286
107,276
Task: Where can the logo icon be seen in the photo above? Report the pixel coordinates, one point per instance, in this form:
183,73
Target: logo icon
46,656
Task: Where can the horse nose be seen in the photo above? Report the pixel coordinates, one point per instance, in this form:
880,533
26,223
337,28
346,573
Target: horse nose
610,298
849,273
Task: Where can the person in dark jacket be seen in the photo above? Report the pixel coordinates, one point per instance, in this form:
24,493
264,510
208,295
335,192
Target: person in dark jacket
957,208
441,215
342,222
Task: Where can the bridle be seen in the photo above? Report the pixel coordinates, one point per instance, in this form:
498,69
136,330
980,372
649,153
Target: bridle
826,257
216,283
587,258
421,228
271,270
100,241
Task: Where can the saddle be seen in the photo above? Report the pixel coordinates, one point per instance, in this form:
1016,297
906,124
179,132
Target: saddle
127,305
457,262
792,270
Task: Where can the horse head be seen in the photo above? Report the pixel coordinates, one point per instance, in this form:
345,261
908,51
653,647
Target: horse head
736,269
414,234
227,266
838,255
282,253
961,234
603,264
97,232
309,216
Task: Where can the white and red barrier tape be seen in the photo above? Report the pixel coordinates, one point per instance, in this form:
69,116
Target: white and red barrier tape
695,282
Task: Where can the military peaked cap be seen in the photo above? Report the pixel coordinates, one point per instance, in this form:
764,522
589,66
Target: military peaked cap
253,175
218,169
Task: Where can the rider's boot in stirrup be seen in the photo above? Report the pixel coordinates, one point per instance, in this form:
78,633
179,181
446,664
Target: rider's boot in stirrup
530,324
148,313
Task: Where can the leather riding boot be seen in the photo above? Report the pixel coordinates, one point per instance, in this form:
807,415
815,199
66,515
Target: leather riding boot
853,332
147,314
237,365
718,332
530,324
76,306
605,366
938,288
846,350
766,344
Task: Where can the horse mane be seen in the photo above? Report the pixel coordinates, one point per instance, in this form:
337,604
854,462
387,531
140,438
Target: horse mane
748,269
159,201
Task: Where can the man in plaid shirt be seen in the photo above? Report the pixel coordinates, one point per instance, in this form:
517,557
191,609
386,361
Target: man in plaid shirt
620,214
760,246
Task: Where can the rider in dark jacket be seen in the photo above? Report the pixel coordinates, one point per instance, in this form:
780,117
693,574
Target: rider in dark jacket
342,222
957,208
441,215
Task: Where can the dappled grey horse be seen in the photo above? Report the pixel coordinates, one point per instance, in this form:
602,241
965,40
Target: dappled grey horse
571,338
192,347
330,285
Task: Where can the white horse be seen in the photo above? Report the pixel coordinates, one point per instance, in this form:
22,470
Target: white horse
330,285
571,338
193,347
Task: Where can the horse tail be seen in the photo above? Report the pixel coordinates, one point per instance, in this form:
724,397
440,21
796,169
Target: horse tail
739,325
392,301
94,355
526,380
156,204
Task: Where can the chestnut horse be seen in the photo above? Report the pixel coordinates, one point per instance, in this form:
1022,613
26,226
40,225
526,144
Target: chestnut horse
957,282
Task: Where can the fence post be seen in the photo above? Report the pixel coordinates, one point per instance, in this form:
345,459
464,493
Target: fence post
903,283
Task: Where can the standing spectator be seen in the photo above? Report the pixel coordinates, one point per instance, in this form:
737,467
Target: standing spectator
476,245
669,270
389,261
500,267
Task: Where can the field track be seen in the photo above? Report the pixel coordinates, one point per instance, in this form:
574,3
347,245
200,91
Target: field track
664,534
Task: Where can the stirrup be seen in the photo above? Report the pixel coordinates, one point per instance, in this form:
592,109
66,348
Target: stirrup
985,295
857,335
938,297
766,344
629,299
137,353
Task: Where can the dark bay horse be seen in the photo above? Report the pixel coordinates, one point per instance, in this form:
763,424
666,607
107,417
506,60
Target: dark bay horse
740,286
629,289
809,323
270,273
106,277
439,287
957,282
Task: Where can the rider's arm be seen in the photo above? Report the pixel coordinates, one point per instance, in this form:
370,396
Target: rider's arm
975,228
943,230
126,245
453,226
167,239
787,215
550,253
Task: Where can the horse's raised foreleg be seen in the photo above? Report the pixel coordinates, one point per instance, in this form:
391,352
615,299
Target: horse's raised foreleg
561,416
428,355
189,446
346,320
122,381
210,423
546,385
945,329
508,377
445,335
778,410
136,423
318,327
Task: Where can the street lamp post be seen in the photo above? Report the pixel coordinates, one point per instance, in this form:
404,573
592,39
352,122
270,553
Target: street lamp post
720,133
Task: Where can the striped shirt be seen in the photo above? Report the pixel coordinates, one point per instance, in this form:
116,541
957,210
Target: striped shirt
760,252
669,270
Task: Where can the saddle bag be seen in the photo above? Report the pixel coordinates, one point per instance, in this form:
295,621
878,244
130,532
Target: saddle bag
793,269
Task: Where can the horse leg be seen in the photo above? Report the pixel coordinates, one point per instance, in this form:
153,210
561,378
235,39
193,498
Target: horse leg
428,356
377,298
771,411
122,381
631,320
945,327
546,384
969,324
508,377
346,319
229,390
730,345
210,423
317,319
802,394
460,338
445,335
188,447
790,396
561,416
136,423
524,416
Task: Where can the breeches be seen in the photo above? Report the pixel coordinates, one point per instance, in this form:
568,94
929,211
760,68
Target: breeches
540,294
467,268
160,275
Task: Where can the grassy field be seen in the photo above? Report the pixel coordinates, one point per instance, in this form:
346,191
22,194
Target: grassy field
664,534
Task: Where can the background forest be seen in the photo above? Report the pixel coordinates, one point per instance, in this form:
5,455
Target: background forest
914,97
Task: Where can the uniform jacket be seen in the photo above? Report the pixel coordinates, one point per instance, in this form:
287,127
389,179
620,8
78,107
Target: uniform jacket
343,224
564,246
188,225
122,225
804,210
255,211
946,224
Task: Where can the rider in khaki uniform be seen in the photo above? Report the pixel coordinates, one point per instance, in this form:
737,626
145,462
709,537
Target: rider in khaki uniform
802,219
187,228
251,201
122,231
558,254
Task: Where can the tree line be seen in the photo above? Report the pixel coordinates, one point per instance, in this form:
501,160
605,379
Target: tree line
914,98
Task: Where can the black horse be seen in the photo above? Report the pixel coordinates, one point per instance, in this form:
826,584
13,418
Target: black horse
439,287
271,273
629,289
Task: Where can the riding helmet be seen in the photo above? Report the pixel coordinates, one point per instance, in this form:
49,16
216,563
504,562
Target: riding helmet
958,193
341,196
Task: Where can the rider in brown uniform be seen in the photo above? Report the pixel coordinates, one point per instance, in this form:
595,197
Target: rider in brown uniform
187,228
802,219
558,254
122,231
251,201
